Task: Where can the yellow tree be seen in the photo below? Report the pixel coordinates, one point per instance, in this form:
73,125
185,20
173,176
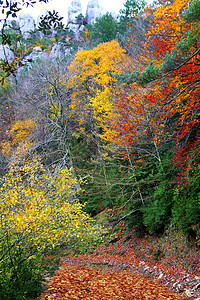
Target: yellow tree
40,206
17,140
92,83
39,210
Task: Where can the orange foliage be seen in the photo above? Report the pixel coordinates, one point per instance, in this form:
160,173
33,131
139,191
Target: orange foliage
167,27
82,282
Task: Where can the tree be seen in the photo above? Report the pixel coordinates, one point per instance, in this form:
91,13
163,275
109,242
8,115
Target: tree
42,100
104,29
132,28
132,9
39,211
40,214
92,84
176,73
167,27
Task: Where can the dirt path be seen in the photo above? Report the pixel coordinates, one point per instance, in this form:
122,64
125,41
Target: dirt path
126,271
76,281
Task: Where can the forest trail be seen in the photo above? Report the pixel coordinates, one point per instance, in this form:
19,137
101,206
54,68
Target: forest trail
127,270
118,271
122,271
76,281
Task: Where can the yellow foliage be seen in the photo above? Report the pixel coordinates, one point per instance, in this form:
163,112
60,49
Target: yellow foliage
102,102
21,130
6,148
41,208
55,110
92,80
18,138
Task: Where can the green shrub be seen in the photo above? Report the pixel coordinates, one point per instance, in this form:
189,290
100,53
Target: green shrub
105,29
21,276
186,209
157,212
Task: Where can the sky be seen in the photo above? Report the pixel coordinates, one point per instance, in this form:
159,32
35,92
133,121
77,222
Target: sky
62,7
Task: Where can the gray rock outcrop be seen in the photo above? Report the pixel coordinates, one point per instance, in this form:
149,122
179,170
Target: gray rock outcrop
14,24
114,15
57,51
94,10
74,10
27,24
35,54
6,54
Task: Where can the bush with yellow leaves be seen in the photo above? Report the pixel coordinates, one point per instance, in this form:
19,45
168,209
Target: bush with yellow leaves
39,210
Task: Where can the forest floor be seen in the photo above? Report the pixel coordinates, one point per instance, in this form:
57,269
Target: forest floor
131,268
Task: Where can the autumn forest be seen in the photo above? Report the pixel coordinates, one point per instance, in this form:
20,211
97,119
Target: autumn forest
99,154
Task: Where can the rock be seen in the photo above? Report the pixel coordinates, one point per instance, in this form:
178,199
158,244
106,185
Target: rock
27,24
36,53
133,266
197,277
37,49
38,20
188,293
6,53
13,24
197,286
94,10
179,288
81,28
196,229
114,15
74,23
74,11
148,270
57,51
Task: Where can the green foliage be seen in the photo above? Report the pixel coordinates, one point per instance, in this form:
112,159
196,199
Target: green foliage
11,8
128,78
132,8
150,73
27,231
50,21
186,209
190,40
21,275
105,29
171,203
170,61
132,26
10,36
157,212
145,175
193,12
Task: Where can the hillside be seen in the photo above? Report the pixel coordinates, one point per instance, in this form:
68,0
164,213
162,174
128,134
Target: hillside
99,146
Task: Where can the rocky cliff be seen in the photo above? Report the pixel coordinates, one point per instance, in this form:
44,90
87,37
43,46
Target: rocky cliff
26,24
94,10
74,17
